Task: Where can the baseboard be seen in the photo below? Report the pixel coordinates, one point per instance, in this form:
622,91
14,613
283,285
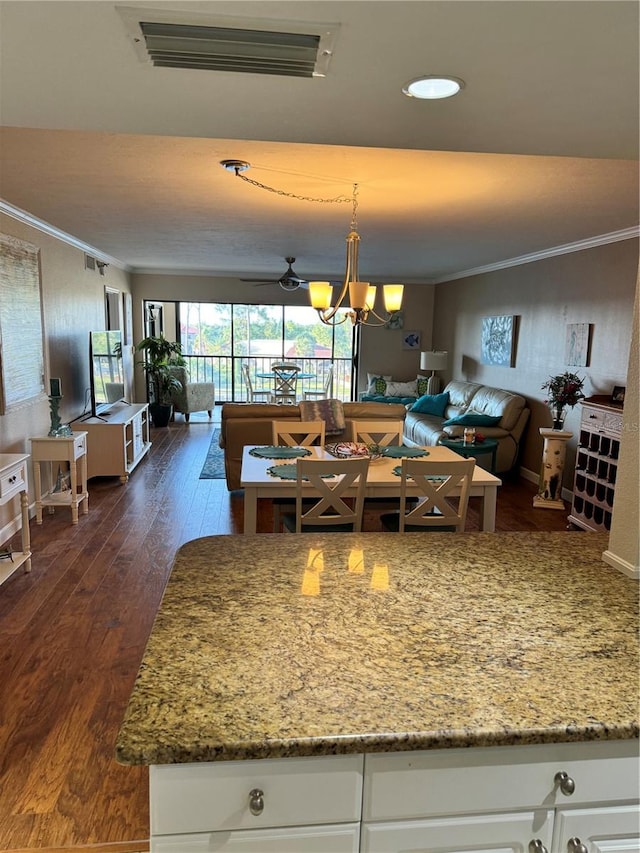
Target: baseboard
621,565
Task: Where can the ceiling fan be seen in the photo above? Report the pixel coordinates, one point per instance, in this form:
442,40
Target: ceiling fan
289,281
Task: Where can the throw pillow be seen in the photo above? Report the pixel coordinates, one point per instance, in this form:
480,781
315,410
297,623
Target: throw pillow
376,383
422,384
473,419
382,398
401,389
329,411
431,404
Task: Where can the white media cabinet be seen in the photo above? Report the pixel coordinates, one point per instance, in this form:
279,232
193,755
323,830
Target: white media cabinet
117,440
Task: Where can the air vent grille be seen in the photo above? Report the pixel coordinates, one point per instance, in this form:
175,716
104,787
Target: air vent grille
231,49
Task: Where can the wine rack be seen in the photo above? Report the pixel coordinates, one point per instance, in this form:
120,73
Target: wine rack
596,464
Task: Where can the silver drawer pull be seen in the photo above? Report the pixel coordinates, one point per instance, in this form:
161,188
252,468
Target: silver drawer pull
256,801
574,845
536,846
566,783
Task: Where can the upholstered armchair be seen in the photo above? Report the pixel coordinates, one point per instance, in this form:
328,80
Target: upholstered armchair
192,396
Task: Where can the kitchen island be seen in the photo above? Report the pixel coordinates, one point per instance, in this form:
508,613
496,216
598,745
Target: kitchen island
285,675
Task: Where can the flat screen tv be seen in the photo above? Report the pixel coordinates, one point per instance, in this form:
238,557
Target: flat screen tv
107,372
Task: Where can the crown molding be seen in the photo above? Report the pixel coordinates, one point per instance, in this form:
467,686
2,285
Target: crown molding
554,251
52,231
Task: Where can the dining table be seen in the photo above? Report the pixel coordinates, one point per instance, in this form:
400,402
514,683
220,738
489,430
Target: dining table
259,481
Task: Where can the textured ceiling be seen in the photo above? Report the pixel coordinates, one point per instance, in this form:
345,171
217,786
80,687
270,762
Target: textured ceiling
539,150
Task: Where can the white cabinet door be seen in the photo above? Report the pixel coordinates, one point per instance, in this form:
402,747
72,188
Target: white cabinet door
343,838
613,829
500,833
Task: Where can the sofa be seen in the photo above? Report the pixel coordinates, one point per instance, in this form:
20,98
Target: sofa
493,412
250,423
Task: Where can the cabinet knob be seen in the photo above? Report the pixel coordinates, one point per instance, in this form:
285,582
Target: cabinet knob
574,845
566,783
256,801
536,846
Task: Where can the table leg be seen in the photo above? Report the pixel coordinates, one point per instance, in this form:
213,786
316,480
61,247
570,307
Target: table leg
26,536
73,471
488,509
38,487
83,483
250,510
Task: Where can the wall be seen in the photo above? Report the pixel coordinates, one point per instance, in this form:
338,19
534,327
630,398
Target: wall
593,286
73,304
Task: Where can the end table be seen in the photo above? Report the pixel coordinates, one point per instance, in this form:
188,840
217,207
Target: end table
489,445
71,449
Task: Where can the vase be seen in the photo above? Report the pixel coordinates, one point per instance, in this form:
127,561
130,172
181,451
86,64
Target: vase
558,415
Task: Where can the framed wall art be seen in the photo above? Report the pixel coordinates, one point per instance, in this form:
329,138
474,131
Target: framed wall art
577,344
411,340
497,340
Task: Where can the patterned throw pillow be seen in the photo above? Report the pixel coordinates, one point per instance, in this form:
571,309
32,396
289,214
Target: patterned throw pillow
329,411
376,383
422,383
401,389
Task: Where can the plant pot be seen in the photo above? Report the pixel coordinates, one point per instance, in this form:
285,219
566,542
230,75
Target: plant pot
160,414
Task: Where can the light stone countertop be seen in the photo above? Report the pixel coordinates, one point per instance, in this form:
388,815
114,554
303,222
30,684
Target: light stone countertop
420,641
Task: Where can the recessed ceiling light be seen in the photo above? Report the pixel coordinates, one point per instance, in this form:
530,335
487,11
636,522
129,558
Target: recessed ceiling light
433,86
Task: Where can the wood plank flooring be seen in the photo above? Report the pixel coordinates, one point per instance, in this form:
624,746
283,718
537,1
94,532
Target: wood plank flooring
72,634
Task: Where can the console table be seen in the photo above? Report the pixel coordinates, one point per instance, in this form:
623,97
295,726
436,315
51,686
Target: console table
13,481
71,449
475,449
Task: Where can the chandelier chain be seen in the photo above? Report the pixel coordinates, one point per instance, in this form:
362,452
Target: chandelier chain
339,199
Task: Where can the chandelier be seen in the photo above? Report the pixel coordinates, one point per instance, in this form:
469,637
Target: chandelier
362,294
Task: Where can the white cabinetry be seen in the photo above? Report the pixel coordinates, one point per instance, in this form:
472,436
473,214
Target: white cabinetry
292,804
14,482
513,798
117,440
501,798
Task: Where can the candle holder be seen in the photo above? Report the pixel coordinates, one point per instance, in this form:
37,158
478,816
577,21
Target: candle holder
58,429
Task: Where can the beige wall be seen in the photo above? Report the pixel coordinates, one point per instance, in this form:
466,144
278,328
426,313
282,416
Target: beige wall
73,304
593,286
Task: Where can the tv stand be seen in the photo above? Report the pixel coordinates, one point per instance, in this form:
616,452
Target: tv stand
117,444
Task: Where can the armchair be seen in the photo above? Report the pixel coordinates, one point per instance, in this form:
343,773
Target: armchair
192,396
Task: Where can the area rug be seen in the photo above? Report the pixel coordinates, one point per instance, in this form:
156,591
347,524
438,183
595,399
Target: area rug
213,468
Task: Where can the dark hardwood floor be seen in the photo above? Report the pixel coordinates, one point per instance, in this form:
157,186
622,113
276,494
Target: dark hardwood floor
72,634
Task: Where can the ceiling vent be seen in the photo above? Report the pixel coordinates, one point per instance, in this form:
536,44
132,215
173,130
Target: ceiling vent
250,46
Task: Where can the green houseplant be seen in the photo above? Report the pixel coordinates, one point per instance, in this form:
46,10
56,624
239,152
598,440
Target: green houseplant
159,356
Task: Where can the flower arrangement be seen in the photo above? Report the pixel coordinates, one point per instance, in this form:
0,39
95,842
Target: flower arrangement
563,390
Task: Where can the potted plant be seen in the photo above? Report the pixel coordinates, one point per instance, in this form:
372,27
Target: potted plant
563,390
160,355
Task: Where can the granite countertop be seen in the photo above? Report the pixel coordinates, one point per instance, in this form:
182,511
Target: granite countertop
268,646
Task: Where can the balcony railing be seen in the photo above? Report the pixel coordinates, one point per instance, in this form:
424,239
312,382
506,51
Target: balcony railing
226,373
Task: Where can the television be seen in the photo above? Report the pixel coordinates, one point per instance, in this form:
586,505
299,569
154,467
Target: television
107,371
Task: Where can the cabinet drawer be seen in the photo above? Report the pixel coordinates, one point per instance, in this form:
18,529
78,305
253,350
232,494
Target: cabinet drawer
316,839
79,446
506,832
13,481
621,823
600,421
215,795
421,784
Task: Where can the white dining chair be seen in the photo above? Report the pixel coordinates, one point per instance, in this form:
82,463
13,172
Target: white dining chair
438,509
285,381
254,394
325,510
324,392
293,434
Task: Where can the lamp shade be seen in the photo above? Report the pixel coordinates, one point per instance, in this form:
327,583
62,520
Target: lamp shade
433,360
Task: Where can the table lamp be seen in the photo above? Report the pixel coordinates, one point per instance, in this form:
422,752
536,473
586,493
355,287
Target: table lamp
433,360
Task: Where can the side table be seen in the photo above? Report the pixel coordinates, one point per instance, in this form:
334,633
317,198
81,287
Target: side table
71,449
489,445
13,481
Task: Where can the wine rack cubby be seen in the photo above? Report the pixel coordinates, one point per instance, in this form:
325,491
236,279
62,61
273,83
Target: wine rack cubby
596,464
